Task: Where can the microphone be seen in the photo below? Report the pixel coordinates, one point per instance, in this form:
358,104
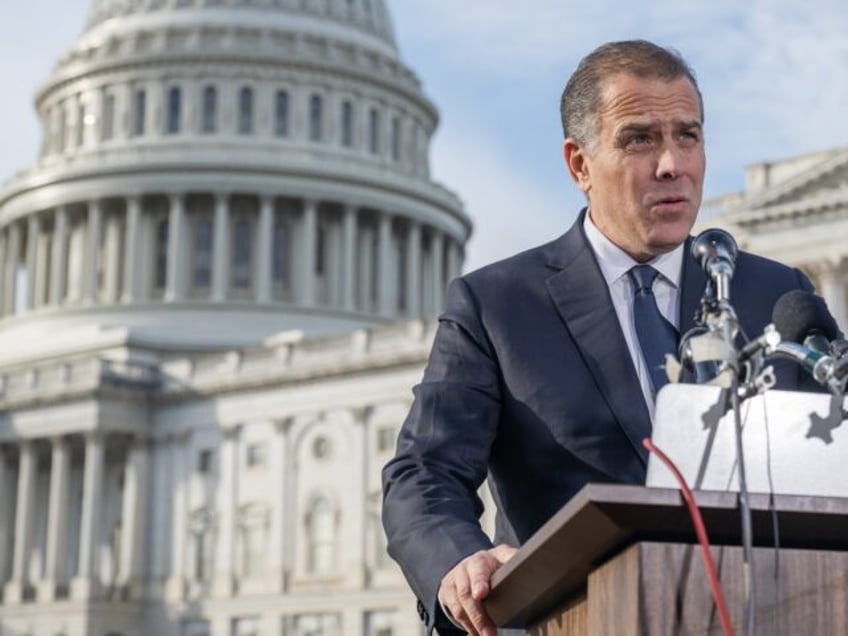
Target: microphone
802,317
811,337
715,250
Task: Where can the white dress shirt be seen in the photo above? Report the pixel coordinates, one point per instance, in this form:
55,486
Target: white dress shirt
615,263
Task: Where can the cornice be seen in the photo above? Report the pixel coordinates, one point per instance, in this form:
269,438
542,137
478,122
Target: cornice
327,177
830,202
370,350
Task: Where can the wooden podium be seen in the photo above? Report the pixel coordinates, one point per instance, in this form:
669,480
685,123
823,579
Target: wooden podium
623,561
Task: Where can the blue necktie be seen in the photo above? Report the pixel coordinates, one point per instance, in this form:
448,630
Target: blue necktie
657,336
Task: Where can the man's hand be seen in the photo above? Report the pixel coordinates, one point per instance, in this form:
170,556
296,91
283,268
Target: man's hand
465,586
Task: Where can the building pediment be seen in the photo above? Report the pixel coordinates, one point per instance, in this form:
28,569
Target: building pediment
817,176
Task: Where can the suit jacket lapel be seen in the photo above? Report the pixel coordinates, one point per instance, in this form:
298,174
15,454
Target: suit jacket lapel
580,294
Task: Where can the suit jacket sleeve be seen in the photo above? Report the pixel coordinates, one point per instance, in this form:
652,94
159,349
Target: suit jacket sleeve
430,506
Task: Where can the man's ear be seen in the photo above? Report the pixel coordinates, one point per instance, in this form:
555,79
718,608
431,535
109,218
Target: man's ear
578,167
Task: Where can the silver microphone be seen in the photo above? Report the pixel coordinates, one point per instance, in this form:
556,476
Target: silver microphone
715,250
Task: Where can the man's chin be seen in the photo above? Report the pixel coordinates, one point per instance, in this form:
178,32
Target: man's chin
668,243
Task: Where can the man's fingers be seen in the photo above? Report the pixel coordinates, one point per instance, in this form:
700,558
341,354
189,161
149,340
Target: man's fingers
467,584
503,552
480,569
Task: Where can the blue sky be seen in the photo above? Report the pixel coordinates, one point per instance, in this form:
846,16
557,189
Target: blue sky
774,74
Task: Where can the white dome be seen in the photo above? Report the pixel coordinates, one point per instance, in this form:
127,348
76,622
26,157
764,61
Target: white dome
247,165
359,18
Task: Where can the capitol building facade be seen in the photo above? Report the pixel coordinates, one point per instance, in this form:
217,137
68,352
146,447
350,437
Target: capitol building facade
217,287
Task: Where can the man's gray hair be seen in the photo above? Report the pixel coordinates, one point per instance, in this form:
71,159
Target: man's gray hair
581,98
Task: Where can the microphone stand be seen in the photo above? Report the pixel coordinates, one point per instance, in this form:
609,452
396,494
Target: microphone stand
719,317
711,346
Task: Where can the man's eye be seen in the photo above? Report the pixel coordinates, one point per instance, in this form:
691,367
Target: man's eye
638,140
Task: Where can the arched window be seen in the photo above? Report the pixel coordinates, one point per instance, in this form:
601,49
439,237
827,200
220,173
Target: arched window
316,118
139,112
347,124
208,123
202,546
201,276
281,114
160,278
254,548
374,131
241,254
174,109
321,527
245,120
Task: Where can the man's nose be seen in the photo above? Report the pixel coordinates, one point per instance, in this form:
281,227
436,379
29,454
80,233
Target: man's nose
668,163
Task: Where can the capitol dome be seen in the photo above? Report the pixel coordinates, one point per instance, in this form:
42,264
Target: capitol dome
214,172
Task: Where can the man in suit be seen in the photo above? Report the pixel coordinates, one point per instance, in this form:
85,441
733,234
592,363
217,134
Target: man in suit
537,378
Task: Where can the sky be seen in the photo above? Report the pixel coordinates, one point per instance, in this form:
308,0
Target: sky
774,75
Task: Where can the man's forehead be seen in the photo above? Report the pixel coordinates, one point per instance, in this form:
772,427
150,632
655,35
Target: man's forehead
634,97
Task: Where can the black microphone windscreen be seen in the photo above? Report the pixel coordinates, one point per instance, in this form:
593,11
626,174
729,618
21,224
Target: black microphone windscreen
799,314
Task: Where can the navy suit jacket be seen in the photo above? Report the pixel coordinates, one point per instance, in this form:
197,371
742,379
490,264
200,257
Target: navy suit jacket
530,383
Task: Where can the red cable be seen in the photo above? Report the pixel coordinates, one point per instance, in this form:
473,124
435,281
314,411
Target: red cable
703,539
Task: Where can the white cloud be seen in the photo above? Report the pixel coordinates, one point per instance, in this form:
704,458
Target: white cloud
774,73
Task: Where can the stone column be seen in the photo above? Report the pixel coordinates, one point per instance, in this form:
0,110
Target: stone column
16,587
291,519
57,522
85,585
91,283
132,230
33,227
4,241
353,550
220,249
413,270
454,259
349,258
112,259
437,255
42,272
224,585
164,462
7,515
278,536
181,472
832,279
175,281
387,272
59,257
264,247
133,509
366,260
306,269
13,255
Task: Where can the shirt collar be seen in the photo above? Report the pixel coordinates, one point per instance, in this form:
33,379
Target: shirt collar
615,262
